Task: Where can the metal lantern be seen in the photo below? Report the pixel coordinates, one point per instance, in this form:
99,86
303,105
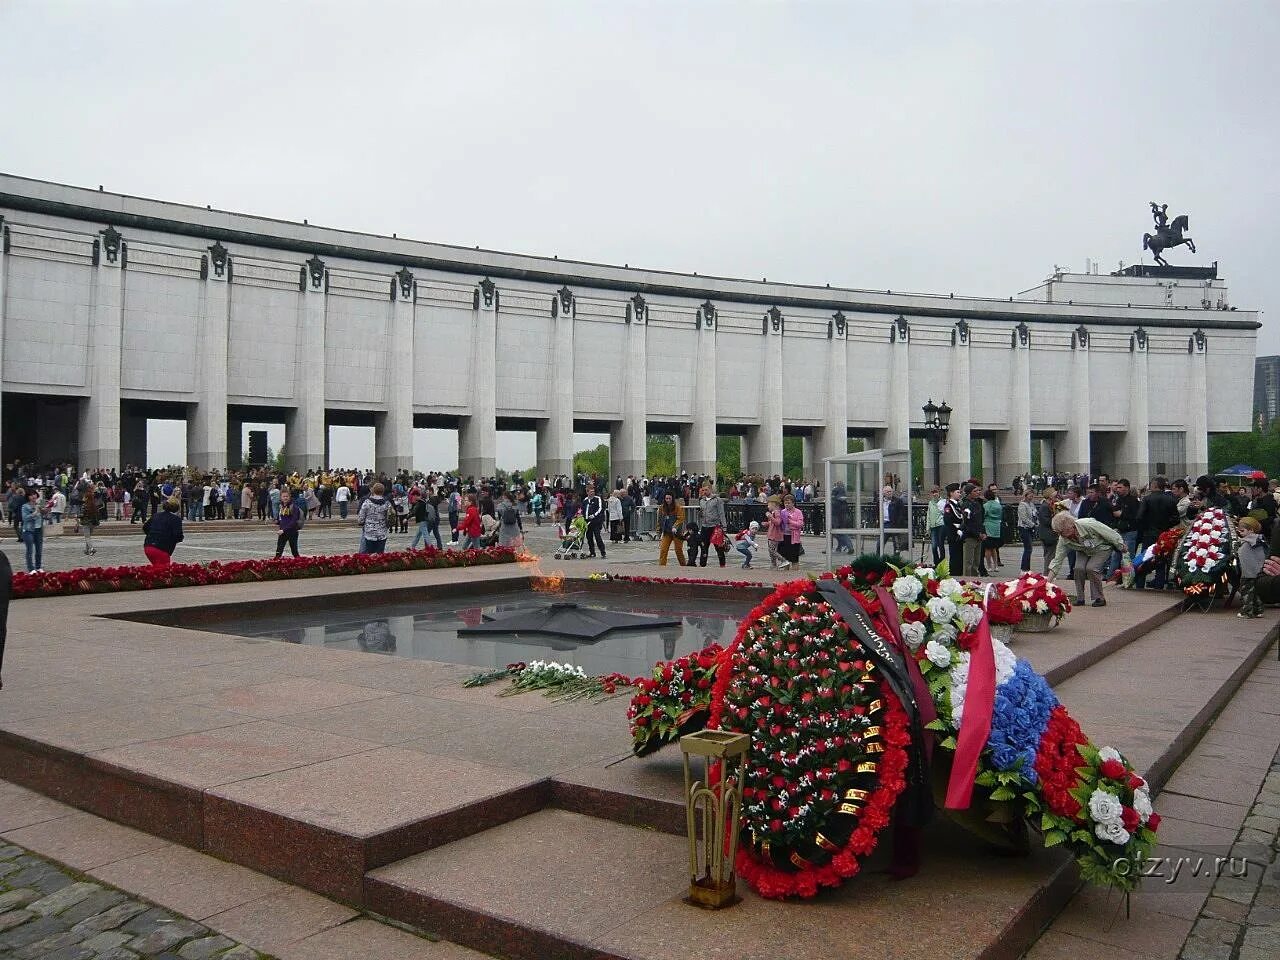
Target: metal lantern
713,812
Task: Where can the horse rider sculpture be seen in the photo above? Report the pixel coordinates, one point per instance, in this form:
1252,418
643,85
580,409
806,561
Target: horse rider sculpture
1167,234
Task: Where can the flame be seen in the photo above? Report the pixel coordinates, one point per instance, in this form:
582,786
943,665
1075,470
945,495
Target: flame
547,583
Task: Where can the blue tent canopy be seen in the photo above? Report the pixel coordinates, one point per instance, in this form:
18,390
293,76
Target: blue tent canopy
1239,470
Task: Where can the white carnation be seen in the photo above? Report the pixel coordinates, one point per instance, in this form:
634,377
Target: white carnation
1142,804
1109,753
1005,661
950,587
970,614
906,589
938,655
1105,807
913,634
959,685
941,610
1042,606
1112,831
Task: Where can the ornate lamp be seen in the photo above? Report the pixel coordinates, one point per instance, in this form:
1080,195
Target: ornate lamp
930,413
944,420
713,811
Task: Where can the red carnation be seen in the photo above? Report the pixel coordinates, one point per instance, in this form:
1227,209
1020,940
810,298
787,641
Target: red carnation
1130,818
1112,769
1153,822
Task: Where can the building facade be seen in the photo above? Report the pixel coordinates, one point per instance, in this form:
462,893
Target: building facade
1266,391
115,309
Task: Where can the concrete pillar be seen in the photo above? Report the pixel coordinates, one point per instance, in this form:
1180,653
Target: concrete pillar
1073,454
555,434
1198,407
766,439
306,436
208,443
897,433
133,441
744,458
833,439
4,267
699,450
393,429
477,433
1133,460
237,448
930,475
988,461
628,450
1047,454
956,467
808,444
1013,455
100,412
402,630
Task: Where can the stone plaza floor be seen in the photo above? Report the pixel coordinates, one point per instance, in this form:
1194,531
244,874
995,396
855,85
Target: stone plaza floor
206,773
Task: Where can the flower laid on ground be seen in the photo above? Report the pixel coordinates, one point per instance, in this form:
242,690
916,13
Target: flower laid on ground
147,577
1205,555
696,581
560,681
1034,593
674,701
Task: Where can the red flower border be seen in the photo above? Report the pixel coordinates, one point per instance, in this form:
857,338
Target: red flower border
146,577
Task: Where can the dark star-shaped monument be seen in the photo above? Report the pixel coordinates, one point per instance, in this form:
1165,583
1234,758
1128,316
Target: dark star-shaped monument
582,624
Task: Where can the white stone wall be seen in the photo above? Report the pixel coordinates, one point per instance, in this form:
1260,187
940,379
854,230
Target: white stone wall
564,340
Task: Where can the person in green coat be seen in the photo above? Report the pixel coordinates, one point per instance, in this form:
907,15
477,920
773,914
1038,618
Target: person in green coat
992,523
1093,541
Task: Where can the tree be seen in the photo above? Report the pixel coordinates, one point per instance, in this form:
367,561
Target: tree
275,459
660,455
592,461
792,457
728,457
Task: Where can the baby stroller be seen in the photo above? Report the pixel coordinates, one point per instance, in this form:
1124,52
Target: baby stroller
573,541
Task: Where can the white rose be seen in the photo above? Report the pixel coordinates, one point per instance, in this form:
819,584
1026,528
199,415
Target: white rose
941,609
1112,831
924,573
938,655
950,587
906,589
913,634
1105,807
1042,606
1142,804
945,633
969,614
1109,753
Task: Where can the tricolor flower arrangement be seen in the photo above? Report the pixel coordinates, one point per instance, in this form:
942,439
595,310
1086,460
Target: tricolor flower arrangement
673,701
1205,554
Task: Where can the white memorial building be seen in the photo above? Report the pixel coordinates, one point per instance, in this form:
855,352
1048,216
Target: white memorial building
115,309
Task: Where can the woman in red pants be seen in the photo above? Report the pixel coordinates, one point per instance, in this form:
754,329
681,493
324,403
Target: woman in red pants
164,533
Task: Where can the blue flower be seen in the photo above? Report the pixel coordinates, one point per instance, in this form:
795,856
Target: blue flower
1019,717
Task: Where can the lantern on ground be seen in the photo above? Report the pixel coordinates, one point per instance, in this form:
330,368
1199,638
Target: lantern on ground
713,808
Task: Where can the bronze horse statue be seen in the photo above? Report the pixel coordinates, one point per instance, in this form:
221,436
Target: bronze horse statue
1168,236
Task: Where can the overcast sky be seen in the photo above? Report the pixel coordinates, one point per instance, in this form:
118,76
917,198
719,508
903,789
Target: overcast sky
937,147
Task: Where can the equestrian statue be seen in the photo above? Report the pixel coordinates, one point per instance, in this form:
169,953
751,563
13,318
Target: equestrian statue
1167,234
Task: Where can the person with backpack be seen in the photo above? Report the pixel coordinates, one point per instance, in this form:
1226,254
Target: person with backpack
745,543
455,507
510,527
374,524
427,517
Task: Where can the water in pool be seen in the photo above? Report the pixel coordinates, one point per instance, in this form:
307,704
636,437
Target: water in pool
429,631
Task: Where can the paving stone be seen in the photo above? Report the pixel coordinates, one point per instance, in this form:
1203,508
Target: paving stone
1266,824
74,952
118,953
18,898
205,947
93,905
240,952
30,932
1223,909
110,919
1265,940
7,867
152,919
63,899
14,918
166,935
8,851
50,944
45,878
102,942
1239,889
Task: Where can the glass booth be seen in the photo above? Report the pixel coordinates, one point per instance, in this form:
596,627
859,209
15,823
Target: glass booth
860,518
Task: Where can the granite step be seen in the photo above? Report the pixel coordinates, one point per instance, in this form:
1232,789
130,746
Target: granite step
568,884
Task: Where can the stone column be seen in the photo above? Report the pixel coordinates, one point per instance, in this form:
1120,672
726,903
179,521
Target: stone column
555,434
393,429
833,439
808,445
306,435
766,439
402,630
1014,453
628,450
698,453
956,467
100,412
477,433
1197,407
4,265
208,444
236,446
897,433
1073,454
744,452
1047,456
1133,460
988,460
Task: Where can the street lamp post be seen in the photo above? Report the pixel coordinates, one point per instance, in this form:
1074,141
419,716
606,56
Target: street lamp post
937,421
